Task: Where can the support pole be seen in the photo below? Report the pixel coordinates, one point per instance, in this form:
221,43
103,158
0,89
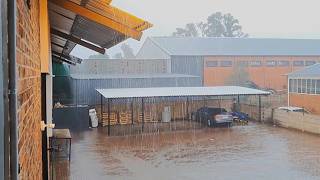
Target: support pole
188,108
109,114
239,109
132,112
142,106
101,109
260,117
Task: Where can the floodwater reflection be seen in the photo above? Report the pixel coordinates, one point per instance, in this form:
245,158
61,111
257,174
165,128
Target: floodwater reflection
245,152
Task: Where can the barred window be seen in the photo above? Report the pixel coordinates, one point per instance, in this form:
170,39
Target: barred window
271,63
303,86
212,63
255,63
284,63
318,87
309,63
298,63
299,86
291,85
226,63
243,63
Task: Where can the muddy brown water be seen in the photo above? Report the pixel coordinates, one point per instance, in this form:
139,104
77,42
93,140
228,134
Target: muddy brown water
255,151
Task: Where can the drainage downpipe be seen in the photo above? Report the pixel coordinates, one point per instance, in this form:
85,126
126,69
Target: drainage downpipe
12,6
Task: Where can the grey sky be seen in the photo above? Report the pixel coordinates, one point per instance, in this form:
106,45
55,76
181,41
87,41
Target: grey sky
259,18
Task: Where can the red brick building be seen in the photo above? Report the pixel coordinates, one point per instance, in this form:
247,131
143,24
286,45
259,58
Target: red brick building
304,88
33,34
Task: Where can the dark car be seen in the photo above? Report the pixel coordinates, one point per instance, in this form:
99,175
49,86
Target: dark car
214,117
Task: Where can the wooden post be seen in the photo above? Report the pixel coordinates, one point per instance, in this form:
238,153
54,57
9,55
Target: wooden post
260,117
188,108
142,107
239,106
109,118
101,109
132,112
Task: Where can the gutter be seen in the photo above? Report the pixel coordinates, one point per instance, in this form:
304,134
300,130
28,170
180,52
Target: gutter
13,120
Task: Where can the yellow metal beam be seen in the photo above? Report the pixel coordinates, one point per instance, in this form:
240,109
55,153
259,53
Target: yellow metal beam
98,18
119,15
106,1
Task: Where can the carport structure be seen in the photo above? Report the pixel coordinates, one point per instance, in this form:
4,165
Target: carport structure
174,92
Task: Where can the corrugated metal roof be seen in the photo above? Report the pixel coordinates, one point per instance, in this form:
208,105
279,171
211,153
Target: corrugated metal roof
308,72
179,91
129,76
196,46
90,31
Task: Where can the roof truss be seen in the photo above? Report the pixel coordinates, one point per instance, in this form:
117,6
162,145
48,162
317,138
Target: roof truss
111,22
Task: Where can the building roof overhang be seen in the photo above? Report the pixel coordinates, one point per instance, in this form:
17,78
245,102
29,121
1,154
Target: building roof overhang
94,24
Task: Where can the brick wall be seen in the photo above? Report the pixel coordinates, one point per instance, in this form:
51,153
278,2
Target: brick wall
29,90
307,101
264,76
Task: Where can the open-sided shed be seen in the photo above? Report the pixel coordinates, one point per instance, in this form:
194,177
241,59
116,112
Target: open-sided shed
134,94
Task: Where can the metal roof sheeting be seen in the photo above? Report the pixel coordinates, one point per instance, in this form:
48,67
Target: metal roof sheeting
308,72
179,91
97,34
198,46
129,76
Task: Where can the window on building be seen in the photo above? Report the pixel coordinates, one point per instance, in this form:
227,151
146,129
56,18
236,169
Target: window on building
303,86
318,87
212,63
291,87
243,63
309,86
283,63
309,63
255,63
298,63
299,86
271,63
296,85
226,63
313,86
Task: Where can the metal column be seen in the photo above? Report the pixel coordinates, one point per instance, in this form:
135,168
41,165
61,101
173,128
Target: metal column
239,109
101,109
188,108
260,117
142,106
109,114
132,112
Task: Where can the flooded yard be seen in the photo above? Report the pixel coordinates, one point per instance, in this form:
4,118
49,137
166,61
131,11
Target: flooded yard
255,151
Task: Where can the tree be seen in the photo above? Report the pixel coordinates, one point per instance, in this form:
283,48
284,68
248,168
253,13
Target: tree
217,25
127,51
190,30
99,56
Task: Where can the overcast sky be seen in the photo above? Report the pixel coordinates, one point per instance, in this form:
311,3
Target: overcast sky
259,18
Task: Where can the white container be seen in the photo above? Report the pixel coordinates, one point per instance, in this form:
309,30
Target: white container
93,118
166,114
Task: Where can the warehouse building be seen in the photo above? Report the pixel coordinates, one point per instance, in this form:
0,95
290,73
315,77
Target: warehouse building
92,74
304,88
220,61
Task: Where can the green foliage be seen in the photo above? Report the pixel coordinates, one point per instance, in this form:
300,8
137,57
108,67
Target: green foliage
217,25
99,56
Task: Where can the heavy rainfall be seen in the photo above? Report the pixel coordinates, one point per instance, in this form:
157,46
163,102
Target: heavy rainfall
196,95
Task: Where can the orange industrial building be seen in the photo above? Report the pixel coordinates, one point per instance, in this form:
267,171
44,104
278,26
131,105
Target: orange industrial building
304,89
218,61
264,71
